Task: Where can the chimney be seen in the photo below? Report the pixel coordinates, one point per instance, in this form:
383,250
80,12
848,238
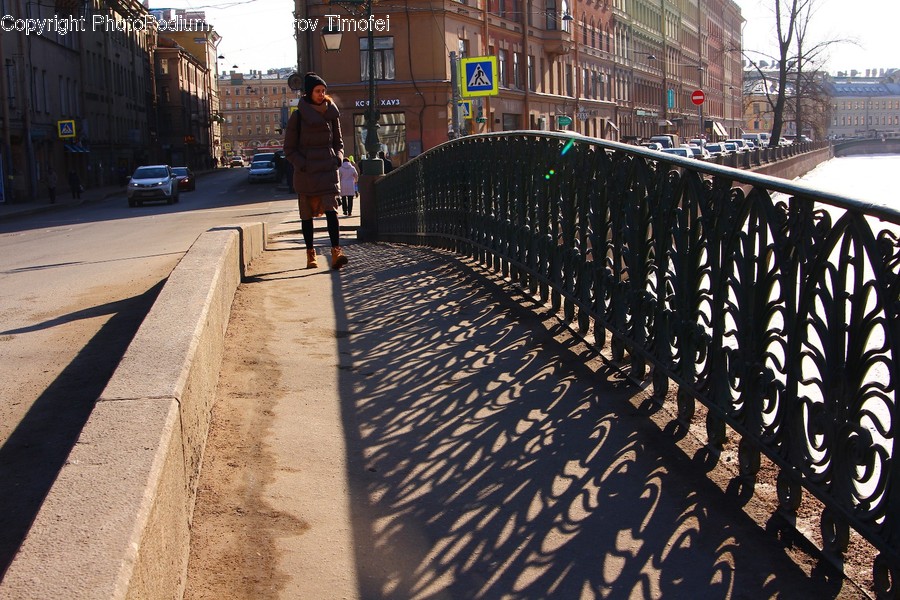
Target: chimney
853,73
868,71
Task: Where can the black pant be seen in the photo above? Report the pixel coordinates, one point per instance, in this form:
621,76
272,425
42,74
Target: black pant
347,204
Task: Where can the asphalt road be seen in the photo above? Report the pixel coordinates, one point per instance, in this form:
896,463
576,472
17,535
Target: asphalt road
75,285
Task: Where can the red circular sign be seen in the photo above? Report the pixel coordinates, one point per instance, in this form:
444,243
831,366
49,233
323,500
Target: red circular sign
698,97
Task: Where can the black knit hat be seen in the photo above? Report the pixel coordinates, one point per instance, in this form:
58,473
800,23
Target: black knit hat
310,81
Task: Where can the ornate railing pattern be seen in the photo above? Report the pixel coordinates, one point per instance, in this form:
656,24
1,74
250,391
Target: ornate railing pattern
772,304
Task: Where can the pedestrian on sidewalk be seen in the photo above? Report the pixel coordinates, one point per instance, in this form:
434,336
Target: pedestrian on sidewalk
314,146
349,175
75,184
52,181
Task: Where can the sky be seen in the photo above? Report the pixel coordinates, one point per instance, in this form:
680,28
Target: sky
870,24
258,34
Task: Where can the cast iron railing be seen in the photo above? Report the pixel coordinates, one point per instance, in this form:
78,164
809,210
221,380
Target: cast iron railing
772,304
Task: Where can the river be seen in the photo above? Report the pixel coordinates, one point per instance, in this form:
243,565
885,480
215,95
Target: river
870,178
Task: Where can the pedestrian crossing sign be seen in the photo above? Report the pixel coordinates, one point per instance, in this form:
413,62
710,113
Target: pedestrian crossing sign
465,108
479,76
66,129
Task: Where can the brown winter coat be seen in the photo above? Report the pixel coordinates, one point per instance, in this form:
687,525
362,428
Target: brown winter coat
316,150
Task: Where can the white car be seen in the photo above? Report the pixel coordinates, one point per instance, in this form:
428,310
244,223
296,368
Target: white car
682,152
152,182
262,170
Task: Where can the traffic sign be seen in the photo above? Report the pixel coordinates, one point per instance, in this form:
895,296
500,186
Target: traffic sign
479,76
698,97
65,129
564,120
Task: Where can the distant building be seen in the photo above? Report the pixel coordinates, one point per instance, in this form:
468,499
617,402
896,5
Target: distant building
864,105
255,107
74,99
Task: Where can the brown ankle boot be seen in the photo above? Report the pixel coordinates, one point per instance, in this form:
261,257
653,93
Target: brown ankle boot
338,259
311,262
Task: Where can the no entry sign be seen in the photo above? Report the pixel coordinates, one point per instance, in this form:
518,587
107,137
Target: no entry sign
698,97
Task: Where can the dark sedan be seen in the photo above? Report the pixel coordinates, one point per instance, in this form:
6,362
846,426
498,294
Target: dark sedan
186,179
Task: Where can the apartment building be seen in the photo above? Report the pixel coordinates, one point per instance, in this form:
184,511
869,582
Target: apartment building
613,69
83,94
76,94
864,104
255,107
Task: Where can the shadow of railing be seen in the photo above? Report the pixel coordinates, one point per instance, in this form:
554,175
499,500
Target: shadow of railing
772,304
494,455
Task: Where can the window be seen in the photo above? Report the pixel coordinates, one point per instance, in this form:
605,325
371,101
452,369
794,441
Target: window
502,60
551,15
391,133
531,72
384,58
164,66
11,78
516,72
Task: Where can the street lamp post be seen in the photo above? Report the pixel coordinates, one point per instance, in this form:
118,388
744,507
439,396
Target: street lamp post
331,38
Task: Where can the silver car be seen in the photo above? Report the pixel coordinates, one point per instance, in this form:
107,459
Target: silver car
152,182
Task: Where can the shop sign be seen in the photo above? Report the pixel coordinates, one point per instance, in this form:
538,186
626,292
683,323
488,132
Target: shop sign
382,102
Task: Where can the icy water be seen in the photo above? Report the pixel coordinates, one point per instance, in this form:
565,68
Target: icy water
871,178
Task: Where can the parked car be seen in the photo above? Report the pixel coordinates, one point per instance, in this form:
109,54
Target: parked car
740,144
152,182
718,149
186,179
731,147
263,156
236,161
756,138
682,152
666,140
652,145
262,170
699,152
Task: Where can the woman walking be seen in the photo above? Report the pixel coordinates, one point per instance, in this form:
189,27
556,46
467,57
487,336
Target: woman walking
313,145
349,176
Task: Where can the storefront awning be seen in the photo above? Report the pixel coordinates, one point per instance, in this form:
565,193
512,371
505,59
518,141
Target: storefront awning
612,126
718,129
664,122
75,148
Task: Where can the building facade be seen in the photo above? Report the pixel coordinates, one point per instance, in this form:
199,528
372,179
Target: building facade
83,96
615,69
255,107
864,105
76,96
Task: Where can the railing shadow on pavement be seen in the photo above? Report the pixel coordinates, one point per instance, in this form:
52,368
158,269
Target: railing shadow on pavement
771,304
502,458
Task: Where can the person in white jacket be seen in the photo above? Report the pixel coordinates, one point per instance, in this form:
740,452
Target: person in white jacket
348,176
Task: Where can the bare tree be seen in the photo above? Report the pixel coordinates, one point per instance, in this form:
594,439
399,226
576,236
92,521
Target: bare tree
806,67
796,56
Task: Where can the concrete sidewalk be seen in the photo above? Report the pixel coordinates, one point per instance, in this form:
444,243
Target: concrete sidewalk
413,427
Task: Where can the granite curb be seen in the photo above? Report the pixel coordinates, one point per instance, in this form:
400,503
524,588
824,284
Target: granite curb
116,523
